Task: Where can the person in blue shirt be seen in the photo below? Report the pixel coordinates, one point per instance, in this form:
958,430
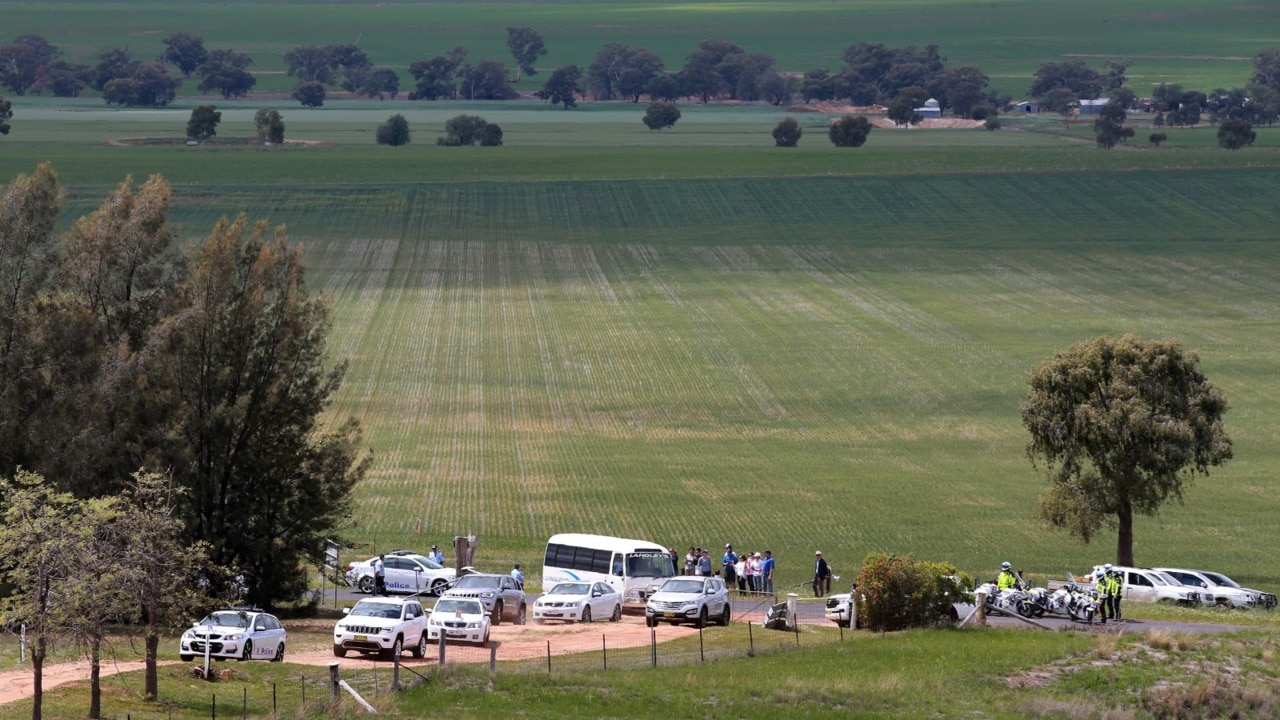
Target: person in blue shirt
518,575
766,572
727,562
435,555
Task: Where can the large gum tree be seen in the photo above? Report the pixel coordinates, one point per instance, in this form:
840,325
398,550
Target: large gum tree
1121,426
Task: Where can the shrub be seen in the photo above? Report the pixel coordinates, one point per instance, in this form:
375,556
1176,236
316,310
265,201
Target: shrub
991,123
310,94
270,126
394,132
465,130
1157,138
661,115
787,133
1235,133
902,592
203,123
983,110
849,131
491,136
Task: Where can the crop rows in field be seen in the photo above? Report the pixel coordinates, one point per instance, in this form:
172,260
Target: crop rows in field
807,363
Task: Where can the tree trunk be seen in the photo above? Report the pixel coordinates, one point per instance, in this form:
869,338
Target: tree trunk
37,677
95,680
152,691
1124,538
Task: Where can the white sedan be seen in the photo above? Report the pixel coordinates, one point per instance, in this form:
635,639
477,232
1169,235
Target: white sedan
238,633
459,620
579,602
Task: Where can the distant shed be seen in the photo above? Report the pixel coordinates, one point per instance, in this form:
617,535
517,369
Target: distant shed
931,109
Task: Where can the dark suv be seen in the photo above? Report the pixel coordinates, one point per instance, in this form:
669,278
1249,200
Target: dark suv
501,596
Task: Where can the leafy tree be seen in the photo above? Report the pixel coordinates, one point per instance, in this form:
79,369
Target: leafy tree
394,132
619,70
372,83
491,136
776,89
486,80
1235,133
310,94
1158,120
114,64
203,123
6,114
563,87
150,85
660,115
224,71
1223,104
526,47
437,78
1109,127
1188,115
962,89
22,60
1116,75
311,63
742,73
849,131
270,126
875,72
462,130
787,133
992,122
64,79
1073,75
902,111
185,52
246,379
1166,97
818,84
1157,138
1124,97
43,533
664,86
1061,100
1266,68
1122,425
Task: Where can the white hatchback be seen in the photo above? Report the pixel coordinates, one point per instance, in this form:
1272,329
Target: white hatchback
239,633
579,602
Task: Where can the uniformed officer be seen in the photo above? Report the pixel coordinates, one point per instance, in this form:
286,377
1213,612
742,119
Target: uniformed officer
1006,580
1115,584
379,577
1102,583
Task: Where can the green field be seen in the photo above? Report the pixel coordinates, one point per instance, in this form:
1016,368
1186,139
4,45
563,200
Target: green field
1199,44
695,337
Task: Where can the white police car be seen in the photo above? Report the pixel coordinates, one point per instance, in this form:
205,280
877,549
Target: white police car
241,633
405,573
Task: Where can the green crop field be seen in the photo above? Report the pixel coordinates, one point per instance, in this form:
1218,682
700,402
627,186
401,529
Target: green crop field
1200,44
695,337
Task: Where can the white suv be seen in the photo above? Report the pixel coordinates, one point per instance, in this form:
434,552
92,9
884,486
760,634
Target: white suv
1147,585
689,599
383,626
1214,592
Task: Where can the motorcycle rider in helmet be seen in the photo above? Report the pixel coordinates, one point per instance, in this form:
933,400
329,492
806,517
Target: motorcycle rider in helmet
1006,580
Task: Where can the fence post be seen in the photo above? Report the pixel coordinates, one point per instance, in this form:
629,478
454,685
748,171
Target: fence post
440,662
702,653
604,650
213,707
333,682
548,656
304,693
395,674
244,704
273,699
751,641
653,646
493,661
981,609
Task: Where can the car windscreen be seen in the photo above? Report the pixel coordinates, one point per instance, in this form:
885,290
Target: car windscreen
680,585
227,619
449,605
649,565
368,608
1222,580
479,581
569,589
425,562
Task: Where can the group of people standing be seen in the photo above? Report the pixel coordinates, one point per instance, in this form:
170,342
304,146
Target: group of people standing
749,572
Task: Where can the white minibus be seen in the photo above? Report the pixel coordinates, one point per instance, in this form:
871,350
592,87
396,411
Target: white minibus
635,568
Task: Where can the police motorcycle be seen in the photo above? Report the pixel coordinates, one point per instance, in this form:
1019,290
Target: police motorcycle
1012,600
1074,602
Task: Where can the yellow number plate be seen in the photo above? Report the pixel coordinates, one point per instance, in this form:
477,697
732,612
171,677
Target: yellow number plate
362,638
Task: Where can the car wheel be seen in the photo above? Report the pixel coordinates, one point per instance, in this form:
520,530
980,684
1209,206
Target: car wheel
437,587
279,656
702,617
420,650
497,613
397,647
186,658
524,611
365,585
617,614
651,622
726,616
247,653
586,613
339,651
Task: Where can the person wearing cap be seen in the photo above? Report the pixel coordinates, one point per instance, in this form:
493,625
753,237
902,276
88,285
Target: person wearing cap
729,563
1006,580
766,571
435,555
518,575
821,575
